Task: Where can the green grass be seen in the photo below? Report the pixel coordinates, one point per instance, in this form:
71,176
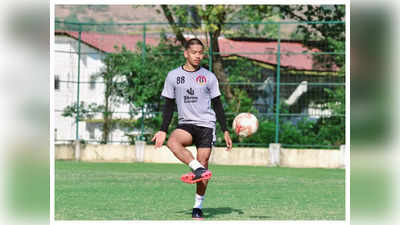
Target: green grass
149,191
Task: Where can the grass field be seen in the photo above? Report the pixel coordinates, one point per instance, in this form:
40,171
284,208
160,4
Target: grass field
148,191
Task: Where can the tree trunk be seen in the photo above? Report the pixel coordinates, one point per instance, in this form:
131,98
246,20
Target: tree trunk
175,28
106,115
218,67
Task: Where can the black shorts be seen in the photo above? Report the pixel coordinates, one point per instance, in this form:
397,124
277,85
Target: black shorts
202,137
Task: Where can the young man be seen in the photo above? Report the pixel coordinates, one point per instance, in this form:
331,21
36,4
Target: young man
194,90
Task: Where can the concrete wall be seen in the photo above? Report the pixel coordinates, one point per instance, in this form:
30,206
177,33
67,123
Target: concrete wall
97,153
238,156
241,156
64,151
310,158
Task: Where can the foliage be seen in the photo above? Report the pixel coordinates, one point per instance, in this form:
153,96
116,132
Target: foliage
130,66
241,101
326,131
328,37
137,77
317,13
332,129
86,111
214,19
264,135
253,14
243,70
339,59
214,16
142,77
122,123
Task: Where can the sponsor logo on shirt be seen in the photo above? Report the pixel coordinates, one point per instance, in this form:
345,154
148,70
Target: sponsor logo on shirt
190,98
190,91
201,79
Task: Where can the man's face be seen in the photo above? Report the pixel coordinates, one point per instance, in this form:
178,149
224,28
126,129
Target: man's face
194,55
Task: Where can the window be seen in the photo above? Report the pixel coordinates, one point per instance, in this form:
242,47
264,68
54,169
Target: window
92,85
56,82
69,79
91,134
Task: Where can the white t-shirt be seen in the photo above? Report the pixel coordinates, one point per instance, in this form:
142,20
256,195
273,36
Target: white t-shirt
193,92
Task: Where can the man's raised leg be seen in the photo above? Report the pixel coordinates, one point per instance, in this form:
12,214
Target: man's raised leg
177,142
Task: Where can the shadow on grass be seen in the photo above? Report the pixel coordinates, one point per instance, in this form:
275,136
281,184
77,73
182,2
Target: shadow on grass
212,212
260,217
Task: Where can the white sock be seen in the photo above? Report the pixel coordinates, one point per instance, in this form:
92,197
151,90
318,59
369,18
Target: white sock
198,201
194,165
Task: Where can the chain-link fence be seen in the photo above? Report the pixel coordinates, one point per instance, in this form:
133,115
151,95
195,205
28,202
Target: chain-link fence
294,83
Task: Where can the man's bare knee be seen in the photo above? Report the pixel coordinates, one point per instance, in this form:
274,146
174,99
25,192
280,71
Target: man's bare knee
172,144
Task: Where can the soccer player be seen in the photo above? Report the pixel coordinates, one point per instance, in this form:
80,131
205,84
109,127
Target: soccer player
196,93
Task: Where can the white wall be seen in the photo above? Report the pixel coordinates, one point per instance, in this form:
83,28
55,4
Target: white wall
66,68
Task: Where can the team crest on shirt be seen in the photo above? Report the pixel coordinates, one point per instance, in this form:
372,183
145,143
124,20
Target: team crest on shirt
201,79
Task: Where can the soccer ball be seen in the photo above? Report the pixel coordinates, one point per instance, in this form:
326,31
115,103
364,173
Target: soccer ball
245,124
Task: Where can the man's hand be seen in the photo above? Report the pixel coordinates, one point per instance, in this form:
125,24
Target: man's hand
228,141
159,137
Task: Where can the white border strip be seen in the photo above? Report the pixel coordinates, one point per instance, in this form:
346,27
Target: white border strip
201,2
110,2
347,140
177,222
52,156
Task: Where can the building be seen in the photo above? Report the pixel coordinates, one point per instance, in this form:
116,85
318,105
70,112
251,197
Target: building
94,46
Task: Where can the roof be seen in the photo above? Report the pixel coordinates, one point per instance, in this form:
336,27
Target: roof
248,49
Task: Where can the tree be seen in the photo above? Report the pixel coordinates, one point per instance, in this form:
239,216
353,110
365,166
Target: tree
254,14
143,76
109,75
332,129
85,111
134,79
215,19
325,33
132,72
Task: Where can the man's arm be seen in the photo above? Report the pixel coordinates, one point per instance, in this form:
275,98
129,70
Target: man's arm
220,114
168,112
219,111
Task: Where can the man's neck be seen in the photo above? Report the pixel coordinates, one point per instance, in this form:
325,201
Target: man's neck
189,67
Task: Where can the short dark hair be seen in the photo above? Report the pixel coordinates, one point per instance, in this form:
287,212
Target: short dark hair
193,41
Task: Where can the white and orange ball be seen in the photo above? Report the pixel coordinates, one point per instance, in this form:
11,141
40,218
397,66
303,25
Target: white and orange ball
245,124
